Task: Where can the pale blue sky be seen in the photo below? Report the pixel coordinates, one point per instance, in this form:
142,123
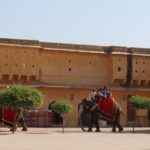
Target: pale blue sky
97,22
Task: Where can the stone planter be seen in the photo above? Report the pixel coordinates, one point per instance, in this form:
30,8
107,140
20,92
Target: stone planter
141,112
141,117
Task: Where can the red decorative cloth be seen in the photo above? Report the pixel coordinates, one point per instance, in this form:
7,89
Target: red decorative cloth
107,107
9,114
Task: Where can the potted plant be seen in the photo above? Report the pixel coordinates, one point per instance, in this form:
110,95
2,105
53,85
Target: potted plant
62,107
141,104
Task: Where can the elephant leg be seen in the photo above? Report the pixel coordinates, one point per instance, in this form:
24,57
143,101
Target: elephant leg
91,120
22,123
94,120
114,126
120,127
96,123
117,121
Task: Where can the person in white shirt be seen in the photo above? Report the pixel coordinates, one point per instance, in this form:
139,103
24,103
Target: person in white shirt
92,94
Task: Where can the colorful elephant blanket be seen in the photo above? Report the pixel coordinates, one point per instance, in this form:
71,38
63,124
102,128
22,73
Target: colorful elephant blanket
107,108
9,114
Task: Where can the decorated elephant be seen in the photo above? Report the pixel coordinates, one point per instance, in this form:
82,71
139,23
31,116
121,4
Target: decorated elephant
107,109
11,118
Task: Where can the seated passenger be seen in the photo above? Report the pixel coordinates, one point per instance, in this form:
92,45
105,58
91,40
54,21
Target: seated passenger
92,95
106,92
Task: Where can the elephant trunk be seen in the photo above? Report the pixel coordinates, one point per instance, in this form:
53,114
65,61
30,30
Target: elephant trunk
80,113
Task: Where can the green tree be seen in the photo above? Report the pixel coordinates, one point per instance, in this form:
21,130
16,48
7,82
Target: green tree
62,107
20,97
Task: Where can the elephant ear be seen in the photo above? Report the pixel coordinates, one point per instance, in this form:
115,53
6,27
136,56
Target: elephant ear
85,102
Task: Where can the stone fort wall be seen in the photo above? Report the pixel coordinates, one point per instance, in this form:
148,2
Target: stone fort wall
69,71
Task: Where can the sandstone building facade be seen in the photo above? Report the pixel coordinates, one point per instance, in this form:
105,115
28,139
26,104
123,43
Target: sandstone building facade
69,71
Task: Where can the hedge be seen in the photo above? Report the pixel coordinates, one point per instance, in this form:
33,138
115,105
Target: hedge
140,102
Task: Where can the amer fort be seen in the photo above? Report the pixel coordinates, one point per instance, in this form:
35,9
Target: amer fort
70,71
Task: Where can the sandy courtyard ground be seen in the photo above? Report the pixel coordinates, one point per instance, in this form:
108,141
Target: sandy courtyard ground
74,139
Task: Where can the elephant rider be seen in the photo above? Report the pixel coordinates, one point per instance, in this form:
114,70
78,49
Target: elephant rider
103,93
106,92
98,95
92,95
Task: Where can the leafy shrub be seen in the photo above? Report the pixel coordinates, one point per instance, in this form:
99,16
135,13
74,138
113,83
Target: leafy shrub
62,106
140,102
19,96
